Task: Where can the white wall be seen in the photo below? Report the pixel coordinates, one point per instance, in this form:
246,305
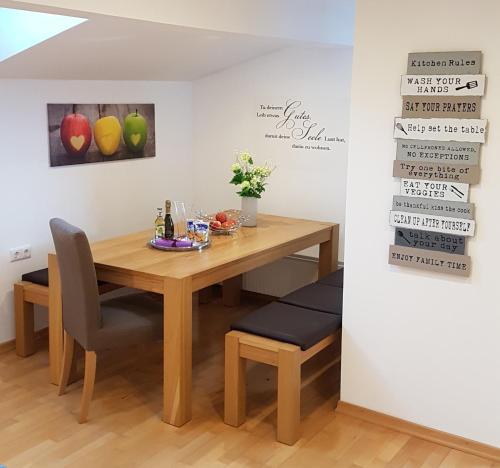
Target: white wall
307,184
417,345
328,21
105,199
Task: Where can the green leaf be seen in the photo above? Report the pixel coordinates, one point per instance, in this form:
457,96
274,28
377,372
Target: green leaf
237,179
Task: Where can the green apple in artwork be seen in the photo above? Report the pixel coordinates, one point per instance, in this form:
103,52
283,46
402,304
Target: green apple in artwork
135,132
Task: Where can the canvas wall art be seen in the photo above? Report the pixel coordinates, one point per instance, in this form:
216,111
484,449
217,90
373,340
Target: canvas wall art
92,133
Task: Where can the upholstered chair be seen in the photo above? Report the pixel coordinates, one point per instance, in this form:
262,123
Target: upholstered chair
96,324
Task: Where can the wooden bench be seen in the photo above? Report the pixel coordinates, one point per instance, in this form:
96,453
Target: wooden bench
34,289
284,334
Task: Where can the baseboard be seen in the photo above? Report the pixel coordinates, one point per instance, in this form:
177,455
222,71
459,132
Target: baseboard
7,346
422,432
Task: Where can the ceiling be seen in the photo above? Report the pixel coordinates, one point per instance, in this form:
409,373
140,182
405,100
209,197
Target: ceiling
112,48
316,21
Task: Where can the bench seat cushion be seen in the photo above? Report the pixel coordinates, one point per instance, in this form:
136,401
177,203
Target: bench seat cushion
318,297
336,278
290,324
41,277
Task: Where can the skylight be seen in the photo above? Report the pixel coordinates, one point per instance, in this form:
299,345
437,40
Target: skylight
22,29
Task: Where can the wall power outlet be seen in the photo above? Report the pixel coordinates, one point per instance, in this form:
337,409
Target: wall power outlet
20,253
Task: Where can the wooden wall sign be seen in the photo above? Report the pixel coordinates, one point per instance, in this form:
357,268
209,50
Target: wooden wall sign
433,207
452,191
441,129
436,171
460,107
433,223
453,152
459,265
430,241
442,85
439,136
444,63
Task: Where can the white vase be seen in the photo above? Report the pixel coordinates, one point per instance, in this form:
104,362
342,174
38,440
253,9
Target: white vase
249,211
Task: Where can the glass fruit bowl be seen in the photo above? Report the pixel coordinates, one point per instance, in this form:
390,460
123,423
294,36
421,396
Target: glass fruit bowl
224,222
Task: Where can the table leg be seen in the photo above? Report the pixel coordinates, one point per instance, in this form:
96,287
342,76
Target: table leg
231,291
55,320
329,253
177,351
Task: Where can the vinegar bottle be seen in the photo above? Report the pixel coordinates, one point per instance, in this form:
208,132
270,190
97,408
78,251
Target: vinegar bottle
159,225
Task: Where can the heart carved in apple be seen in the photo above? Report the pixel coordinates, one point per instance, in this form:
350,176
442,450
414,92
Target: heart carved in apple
107,134
76,134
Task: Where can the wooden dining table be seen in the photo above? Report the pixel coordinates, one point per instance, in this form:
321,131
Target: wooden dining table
128,261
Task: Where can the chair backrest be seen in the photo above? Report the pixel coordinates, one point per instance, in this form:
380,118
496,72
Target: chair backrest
80,294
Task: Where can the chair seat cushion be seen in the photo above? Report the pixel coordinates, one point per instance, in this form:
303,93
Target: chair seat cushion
335,278
290,324
127,321
317,296
40,277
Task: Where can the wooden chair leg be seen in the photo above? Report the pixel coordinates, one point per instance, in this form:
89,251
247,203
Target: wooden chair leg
67,361
235,383
88,385
25,323
289,363
75,373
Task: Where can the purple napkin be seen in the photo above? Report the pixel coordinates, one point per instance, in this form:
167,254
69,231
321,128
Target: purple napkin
173,243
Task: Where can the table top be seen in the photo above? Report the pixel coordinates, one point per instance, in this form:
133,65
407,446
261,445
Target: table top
131,252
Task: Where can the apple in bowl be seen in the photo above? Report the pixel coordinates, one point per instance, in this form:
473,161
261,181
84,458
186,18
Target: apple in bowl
221,216
224,222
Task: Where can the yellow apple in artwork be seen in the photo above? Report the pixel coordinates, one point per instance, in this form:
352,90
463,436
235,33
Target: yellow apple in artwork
108,134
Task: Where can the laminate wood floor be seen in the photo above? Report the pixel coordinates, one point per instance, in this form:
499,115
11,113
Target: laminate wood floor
39,429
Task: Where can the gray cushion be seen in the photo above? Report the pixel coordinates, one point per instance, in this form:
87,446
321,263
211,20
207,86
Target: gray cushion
80,295
127,321
290,324
94,324
317,296
336,278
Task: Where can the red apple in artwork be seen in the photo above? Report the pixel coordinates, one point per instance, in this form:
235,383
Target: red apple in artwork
76,134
